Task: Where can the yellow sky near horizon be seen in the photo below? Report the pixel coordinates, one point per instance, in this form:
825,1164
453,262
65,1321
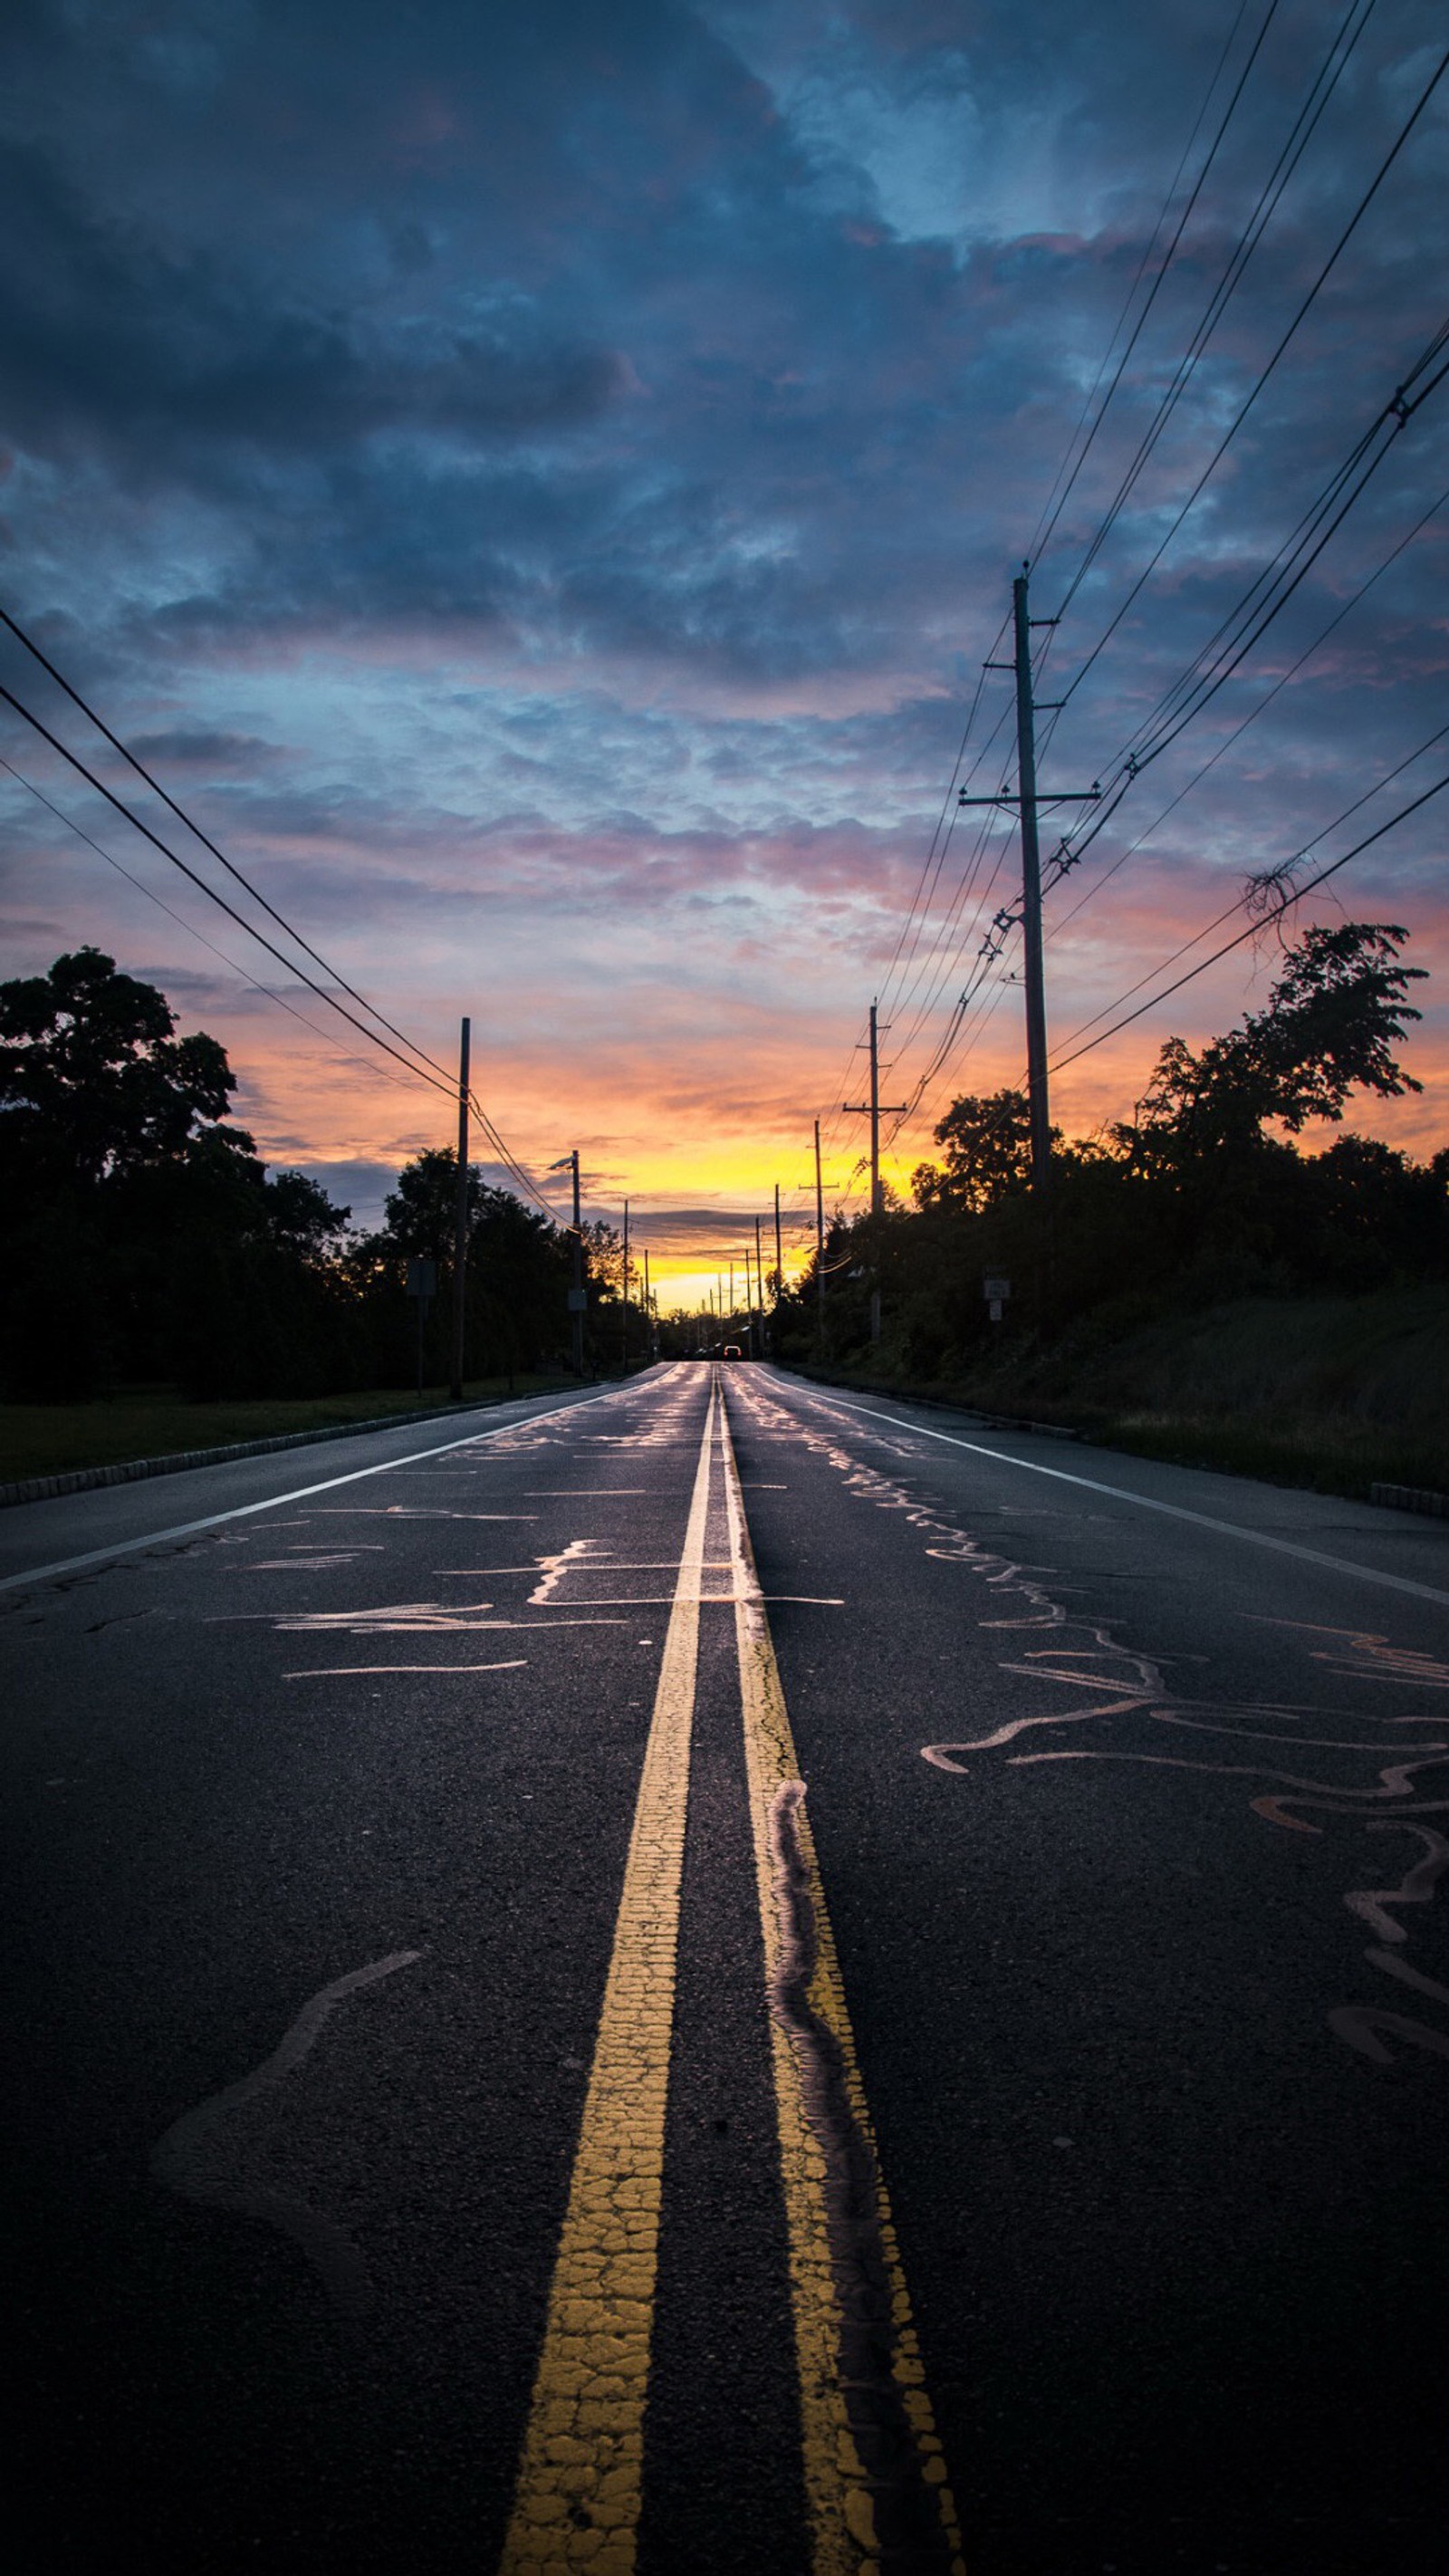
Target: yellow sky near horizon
697,1165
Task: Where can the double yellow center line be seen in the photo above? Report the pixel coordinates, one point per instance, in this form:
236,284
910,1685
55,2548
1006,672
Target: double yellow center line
874,2476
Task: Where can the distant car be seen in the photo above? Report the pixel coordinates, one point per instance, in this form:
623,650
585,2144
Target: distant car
731,1350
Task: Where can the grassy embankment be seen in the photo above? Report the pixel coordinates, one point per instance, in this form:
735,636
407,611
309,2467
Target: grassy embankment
1336,1393
155,1422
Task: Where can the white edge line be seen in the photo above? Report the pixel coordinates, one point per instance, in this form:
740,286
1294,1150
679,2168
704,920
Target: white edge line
1148,1503
300,1494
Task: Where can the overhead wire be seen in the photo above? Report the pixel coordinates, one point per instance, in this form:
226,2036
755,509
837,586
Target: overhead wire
1245,625
942,833
1039,542
327,1035
933,864
211,892
17,630
1251,718
1294,892
1341,46
930,968
949,1045
1042,539
1265,372
438,1080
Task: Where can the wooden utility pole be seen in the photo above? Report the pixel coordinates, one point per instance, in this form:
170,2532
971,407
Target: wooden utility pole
577,1299
855,1109
460,1221
759,1284
819,1240
1025,799
1036,1037
648,1311
877,1110
626,1289
779,1255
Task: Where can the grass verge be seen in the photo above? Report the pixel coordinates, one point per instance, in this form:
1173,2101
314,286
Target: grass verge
155,1422
1333,1394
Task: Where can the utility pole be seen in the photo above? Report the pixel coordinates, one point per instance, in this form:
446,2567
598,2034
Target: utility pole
626,1289
760,1284
1036,1040
819,1242
855,1108
877,1110
648,1311
460,1221
1026,799
579,1293
779,1255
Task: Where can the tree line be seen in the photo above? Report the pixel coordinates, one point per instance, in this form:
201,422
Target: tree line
149,1242
1203,1194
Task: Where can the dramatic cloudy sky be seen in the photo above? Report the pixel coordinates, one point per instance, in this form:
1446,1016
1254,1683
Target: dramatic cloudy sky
539,484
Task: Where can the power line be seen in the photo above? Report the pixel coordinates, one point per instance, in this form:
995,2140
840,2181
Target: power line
944,957
220,855
1236,905
1321,88
1294,894
1039,545
190,928
942,834
436,1082
416,1070
510,1163
1242,629
952,1044
1365,201
942,831
1241,727
1248,621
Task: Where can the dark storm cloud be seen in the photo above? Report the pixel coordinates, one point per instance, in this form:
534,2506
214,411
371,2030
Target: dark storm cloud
674,335
169,361
204,747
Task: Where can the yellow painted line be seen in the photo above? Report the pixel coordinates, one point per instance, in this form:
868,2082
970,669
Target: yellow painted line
576,2504
842,2497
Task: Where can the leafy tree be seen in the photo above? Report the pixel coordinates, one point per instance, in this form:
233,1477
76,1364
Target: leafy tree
302,1219
988,1153
603,1257
148,1240
1330,1025
94,1080
517,1272
420,1213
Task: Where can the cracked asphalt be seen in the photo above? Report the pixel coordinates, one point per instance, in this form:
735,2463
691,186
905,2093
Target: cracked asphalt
1125,1789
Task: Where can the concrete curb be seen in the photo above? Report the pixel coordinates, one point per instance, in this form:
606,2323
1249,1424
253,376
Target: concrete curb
131,1471
1411,1498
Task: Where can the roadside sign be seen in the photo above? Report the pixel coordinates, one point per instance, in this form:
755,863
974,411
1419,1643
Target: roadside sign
578,1301
996,1289
422,1278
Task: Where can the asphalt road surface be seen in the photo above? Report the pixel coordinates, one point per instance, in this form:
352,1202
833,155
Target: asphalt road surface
712,1976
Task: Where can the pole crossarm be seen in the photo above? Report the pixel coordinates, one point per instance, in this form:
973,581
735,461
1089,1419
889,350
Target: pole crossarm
1048,796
